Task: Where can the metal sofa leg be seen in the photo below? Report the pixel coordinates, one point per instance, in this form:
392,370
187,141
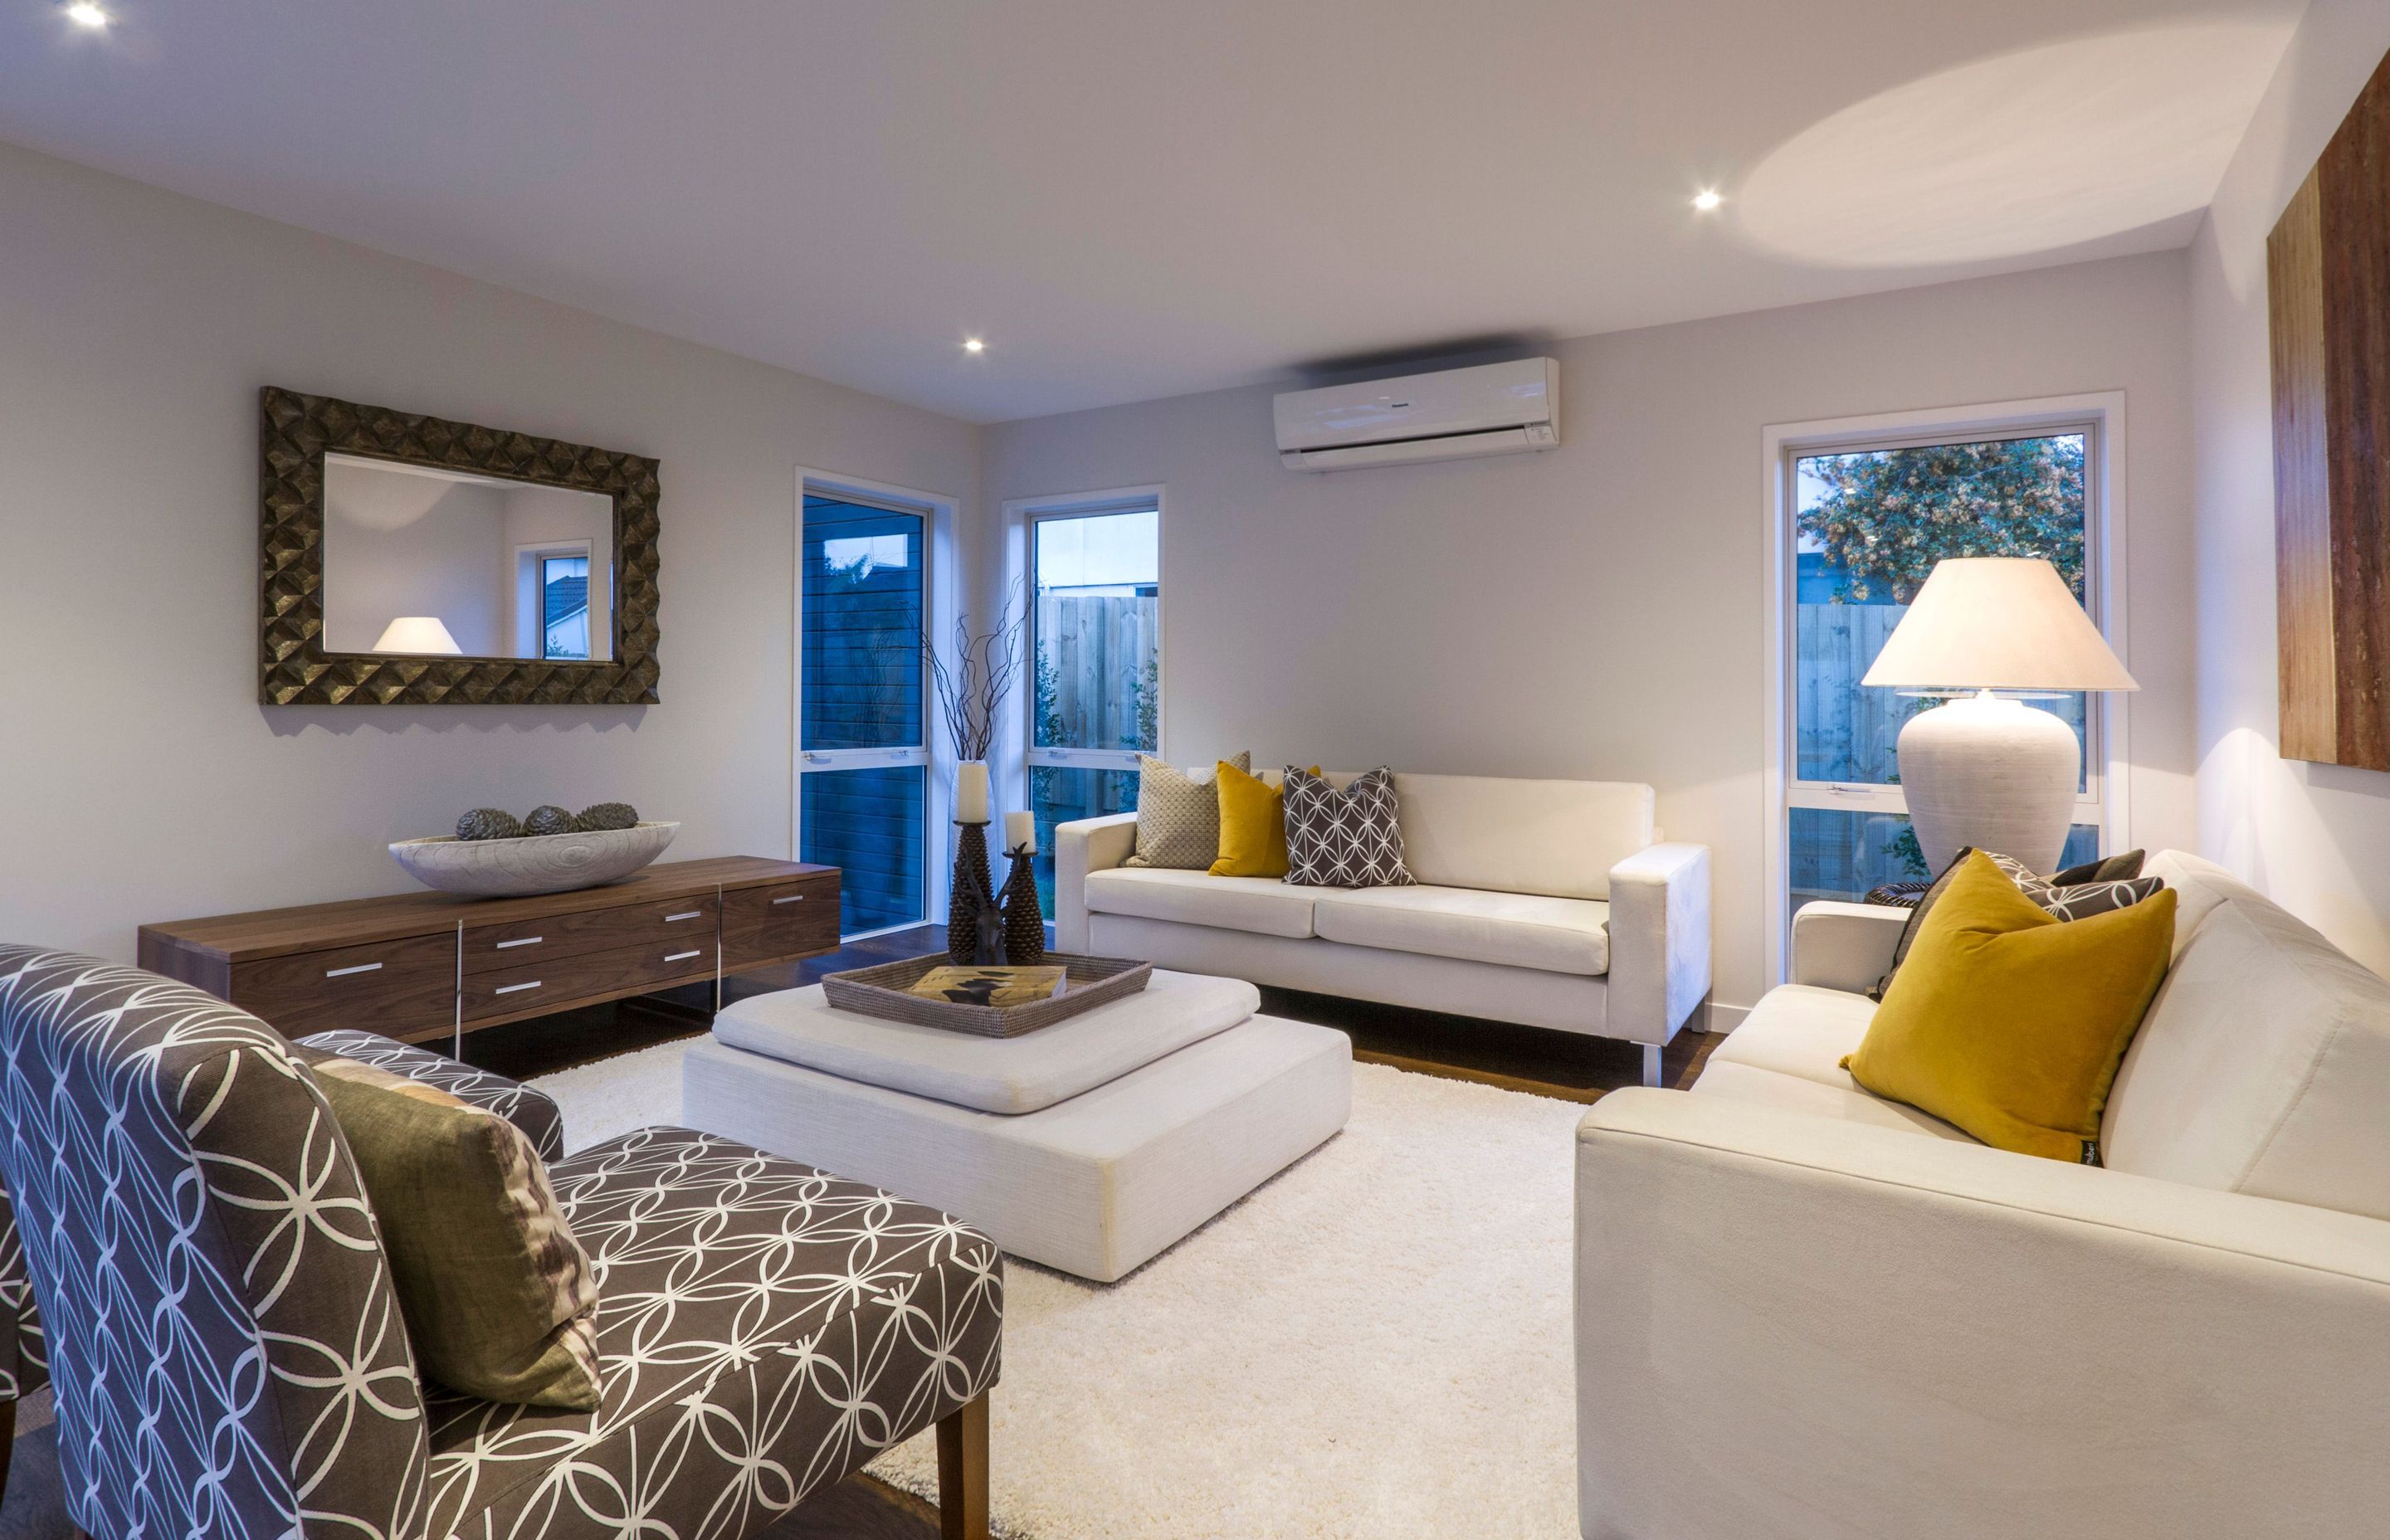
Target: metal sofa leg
1652,1064
963,1473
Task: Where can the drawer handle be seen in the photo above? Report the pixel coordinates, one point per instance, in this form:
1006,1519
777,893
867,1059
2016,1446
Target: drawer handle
692,914
792,898
683,956
515,989
527,940
345,972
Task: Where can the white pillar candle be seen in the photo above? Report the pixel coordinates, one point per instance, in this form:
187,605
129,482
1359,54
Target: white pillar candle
1019,831
970,792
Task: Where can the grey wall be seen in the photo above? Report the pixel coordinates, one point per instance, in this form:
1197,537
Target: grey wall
1595,611
140,777
2315,836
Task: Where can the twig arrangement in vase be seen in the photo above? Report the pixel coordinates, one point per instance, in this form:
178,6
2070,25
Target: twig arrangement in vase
971,689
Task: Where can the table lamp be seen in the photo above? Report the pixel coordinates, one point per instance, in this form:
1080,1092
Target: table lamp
1982,771
420,634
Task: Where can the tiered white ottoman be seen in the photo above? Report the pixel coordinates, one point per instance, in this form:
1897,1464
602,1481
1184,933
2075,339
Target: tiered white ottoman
1089,1146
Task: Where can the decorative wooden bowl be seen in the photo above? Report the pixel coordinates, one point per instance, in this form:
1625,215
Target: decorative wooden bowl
885,990
534,863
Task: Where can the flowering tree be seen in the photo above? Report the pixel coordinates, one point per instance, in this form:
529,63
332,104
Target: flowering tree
1889,515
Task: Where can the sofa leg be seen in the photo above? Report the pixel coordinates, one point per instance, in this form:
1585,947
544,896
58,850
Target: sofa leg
1652,1064
963,1473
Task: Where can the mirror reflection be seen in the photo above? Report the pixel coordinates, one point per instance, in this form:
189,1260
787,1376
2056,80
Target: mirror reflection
426,562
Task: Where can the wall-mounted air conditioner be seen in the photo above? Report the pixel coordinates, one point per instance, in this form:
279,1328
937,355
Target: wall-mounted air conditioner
1451,415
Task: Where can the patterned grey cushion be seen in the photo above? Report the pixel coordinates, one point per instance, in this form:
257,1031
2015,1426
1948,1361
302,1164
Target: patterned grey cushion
24,1362
2067,900
764,1330
533,1111
1347,838
1177,817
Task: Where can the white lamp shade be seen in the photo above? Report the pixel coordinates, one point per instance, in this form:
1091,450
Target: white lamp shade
1998,622
420,634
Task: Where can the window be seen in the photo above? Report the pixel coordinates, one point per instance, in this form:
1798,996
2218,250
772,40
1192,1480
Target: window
863,768
1094,649
564,606
1863,520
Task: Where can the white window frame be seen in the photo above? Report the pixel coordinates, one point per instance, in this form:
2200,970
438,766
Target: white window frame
2106,799
1027,514
529,559
936,511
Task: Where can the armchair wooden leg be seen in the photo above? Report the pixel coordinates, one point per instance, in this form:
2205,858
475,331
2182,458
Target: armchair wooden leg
962,1473
7,1442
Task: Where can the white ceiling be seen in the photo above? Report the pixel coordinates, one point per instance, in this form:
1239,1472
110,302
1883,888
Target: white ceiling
1137,200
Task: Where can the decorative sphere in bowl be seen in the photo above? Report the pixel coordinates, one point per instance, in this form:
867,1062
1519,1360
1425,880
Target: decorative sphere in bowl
533,864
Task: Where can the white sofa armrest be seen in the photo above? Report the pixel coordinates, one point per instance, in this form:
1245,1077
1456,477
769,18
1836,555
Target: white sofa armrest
1659,939
1793,1326
1846,946
1084,846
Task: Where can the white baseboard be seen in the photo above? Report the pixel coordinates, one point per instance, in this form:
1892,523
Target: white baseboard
1726,1018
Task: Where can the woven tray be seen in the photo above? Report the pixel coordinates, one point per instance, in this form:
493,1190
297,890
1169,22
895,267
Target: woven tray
882,992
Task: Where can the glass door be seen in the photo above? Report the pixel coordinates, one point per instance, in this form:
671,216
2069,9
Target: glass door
864,761
1095,645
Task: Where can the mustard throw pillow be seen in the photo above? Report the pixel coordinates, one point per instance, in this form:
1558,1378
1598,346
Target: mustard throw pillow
2009,1022
1253,823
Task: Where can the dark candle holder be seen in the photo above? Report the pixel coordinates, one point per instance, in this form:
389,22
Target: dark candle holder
1024,918
970,893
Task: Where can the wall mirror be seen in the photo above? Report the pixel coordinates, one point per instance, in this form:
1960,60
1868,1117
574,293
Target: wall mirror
410,560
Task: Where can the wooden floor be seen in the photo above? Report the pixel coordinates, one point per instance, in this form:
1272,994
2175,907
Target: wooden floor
1497,1053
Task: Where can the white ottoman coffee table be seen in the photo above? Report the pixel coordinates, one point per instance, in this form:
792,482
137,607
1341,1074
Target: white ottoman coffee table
1089,1146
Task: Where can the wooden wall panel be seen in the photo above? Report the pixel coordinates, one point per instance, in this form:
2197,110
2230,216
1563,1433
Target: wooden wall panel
2329,273
2302,522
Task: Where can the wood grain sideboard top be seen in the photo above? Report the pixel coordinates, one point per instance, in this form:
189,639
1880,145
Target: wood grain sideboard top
230,939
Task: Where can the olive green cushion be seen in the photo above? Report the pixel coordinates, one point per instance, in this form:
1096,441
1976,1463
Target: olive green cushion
500,1300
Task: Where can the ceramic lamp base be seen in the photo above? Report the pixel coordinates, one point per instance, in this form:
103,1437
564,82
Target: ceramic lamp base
1992,774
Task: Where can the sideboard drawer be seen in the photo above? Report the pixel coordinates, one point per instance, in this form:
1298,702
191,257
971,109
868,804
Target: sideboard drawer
787,919
743,908
555,982
390,987
491,949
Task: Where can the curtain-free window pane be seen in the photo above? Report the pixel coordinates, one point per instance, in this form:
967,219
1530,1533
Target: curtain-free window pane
869,822
564,607
1868,528
1060,794
863,608
1097,631
1840,854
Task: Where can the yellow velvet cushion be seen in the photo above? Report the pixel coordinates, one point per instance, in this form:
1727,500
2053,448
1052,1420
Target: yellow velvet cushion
2009,1022
1253,823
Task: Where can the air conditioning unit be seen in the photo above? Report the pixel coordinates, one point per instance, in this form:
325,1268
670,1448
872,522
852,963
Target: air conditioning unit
1451,415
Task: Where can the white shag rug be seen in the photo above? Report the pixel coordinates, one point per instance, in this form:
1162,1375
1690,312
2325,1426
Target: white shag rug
1376,1342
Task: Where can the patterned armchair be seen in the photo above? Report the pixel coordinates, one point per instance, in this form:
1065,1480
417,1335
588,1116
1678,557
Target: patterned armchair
217,1318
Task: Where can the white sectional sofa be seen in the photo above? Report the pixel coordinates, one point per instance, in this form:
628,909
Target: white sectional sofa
1802,1310
1544,902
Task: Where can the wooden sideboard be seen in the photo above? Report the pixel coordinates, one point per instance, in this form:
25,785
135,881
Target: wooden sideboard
426,965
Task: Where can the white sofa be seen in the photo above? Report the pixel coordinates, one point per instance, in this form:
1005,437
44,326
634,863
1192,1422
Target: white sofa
1544,902
1805,1312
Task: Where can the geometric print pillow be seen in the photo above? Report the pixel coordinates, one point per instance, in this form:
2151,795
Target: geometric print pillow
1177,817
2068,901
1348,838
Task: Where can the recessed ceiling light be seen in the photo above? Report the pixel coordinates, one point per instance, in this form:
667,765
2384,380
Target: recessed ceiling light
973,344
1707,199
83,13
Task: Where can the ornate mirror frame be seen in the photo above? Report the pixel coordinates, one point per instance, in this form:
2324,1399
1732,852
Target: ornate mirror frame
296,430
